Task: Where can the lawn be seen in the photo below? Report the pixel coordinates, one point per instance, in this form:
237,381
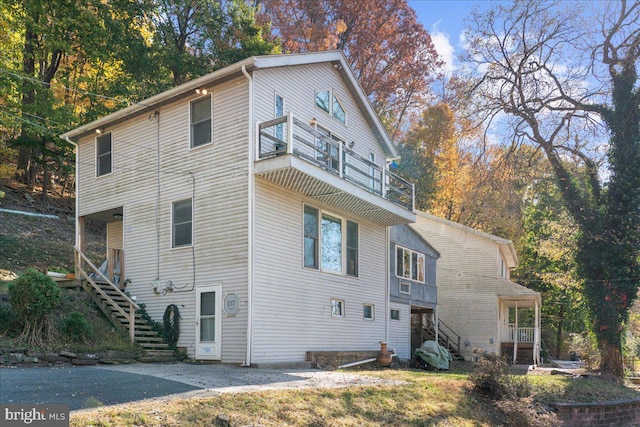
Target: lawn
427,399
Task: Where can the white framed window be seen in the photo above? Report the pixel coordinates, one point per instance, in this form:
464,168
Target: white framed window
328,102
503,272
200,118
337,307
405,288
104,154
394,314
182,223
326,245
368,311
410,264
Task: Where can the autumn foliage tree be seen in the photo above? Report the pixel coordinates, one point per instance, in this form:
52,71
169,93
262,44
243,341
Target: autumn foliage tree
558,82
391,53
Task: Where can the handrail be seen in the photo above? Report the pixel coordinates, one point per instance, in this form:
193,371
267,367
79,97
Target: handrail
332,154
131,316
448,341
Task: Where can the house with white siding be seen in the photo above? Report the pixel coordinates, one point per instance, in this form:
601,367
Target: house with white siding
257,201
477,301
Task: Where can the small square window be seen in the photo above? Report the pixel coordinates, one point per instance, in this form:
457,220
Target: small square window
395,314
367,311
405,288
337,307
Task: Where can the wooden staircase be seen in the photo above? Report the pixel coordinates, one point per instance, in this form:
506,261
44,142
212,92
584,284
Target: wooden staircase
446,336
118,308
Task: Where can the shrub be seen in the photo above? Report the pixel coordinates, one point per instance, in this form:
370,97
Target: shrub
77,327
511,394
33,296
7,317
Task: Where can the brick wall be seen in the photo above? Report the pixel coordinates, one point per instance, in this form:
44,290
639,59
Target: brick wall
619,413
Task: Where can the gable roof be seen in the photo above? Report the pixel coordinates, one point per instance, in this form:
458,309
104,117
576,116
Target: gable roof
506,246
334,57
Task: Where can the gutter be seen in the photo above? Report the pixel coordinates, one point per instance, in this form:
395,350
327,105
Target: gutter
250,226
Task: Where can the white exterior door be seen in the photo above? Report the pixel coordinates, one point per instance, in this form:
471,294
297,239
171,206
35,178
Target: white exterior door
208,322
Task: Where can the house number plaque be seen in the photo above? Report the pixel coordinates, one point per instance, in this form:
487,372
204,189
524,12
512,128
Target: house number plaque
231,305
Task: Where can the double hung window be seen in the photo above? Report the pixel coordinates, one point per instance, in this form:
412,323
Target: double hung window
182,224
104,154
201,121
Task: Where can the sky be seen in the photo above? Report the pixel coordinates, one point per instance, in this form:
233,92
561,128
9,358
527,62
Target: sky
444,20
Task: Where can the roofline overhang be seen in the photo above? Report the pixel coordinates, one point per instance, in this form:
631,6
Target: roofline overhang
233,70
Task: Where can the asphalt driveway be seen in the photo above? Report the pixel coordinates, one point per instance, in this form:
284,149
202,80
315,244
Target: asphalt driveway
83,387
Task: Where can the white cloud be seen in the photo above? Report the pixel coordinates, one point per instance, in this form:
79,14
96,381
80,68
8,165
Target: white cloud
444,48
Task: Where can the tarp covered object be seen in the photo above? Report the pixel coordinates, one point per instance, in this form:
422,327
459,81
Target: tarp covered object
434,354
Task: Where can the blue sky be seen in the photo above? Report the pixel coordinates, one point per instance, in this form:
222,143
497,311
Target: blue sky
445,21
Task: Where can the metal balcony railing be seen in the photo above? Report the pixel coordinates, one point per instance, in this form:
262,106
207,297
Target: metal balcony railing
288,135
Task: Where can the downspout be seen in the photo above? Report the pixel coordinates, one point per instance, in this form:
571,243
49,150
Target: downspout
250,213
387,263
76,188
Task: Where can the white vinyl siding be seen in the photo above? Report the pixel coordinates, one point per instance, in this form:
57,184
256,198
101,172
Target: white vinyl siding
467,278
219,180
299,96
292,303
400,330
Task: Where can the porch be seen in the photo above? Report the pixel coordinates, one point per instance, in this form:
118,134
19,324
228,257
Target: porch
318,164
520,329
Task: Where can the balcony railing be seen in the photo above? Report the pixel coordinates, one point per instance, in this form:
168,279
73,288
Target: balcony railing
289,135
522,334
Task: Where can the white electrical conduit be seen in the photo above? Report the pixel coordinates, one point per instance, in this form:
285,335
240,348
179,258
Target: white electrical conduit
362,362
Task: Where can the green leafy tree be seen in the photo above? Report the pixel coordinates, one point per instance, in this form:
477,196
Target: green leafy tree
33,296
558,83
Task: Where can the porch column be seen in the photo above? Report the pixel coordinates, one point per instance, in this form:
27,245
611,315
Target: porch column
515,337
536,348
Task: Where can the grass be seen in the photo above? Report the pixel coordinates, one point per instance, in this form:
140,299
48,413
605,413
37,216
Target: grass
426,400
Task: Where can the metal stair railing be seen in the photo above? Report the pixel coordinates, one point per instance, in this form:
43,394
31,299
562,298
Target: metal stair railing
131,316
443,336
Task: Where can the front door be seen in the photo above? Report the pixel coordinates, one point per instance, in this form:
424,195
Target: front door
208,322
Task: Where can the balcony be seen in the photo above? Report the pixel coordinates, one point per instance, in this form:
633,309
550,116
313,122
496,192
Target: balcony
306,160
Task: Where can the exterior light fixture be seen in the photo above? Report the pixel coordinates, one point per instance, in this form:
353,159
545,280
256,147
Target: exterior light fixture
312,122
202,91
117,216
98,131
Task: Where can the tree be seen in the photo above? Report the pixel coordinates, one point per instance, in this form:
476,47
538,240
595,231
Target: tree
557,84
195,37
391,53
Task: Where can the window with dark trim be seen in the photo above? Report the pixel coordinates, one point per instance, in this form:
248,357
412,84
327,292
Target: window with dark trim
104,154
325,245
352,248
182,223
394,314
201,121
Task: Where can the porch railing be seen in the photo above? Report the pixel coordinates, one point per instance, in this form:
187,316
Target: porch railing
80,260
289,135
522,334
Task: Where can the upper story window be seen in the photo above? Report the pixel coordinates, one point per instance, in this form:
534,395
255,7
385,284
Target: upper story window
279,112
410,264
201,121
182,223
104,154
504,271
326,245
328,102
